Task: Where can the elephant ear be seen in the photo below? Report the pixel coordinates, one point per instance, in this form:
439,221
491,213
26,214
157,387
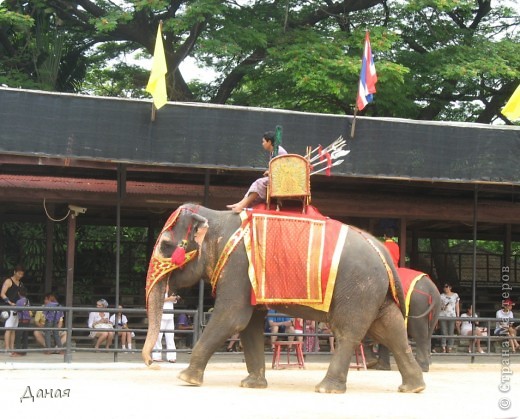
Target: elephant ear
200,228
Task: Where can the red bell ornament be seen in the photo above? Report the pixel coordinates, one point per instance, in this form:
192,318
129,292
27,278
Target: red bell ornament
179,255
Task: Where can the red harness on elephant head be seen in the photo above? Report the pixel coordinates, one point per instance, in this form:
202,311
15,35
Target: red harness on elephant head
160,267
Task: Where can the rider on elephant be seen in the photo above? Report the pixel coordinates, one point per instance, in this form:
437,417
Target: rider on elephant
257,192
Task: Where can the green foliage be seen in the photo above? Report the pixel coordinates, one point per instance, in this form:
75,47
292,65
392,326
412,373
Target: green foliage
435,59
95,263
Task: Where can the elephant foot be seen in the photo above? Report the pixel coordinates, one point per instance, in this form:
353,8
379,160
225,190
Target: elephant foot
425,367
382,366
254,382
192,377
331,386
413,387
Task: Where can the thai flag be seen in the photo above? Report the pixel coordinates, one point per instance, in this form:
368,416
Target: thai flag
367,78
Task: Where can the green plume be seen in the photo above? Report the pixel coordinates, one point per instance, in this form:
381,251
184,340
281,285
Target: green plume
277,139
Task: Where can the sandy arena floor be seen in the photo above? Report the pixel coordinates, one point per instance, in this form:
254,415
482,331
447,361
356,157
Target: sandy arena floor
130,390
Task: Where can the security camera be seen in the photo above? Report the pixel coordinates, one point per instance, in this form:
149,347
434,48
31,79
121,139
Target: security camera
77,210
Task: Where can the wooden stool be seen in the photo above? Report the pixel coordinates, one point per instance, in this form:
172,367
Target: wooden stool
360,359
289,344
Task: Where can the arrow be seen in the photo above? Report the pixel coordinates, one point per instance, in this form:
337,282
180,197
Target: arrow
325,161
325,168
338,153
336,144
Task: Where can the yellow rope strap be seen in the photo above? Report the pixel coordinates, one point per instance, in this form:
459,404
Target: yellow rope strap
409,296
230,246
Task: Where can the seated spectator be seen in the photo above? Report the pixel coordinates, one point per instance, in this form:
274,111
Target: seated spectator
39,321
24,321
325,329
298,328
504,327
234,343
184,322
279,324
101,322
52,319
466,329
122,324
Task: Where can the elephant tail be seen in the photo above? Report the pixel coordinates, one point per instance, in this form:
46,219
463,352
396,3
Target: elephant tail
428,311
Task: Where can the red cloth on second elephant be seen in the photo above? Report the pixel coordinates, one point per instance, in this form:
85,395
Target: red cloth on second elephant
294,257
409,278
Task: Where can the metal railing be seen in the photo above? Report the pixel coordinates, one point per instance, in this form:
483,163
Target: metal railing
78,331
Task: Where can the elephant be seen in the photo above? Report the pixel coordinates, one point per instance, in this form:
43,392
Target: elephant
423,312
362,298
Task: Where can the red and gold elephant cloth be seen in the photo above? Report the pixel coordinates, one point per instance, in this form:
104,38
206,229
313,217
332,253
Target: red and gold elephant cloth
160,267
293,258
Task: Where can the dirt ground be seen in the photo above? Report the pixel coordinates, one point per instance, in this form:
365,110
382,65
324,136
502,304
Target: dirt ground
131,390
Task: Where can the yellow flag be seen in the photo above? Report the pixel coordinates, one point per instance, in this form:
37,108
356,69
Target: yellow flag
512,108
157,82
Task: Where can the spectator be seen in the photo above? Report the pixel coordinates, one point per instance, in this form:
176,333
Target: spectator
298,328
52,319
311,343
234,343
257,192
167,329
24,321
279,324
466,329
325,329
39,321
504,327
184,323
101,322
122,324
449,308
9,295
392,246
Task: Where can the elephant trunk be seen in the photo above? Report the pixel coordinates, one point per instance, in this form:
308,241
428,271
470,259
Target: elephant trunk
154,312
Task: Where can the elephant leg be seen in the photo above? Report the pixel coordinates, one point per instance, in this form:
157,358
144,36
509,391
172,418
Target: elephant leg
226,320
154,312
383,362
335,380
252,338
389,330
419,331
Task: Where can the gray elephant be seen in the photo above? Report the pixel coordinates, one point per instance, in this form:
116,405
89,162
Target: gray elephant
362,300
424,305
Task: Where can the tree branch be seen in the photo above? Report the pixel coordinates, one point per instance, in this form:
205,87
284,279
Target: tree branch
236,75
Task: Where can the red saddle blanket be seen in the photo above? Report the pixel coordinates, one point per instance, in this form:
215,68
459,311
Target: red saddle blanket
293,258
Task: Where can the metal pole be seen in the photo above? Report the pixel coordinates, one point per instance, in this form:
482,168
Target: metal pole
201,282
121,190
71,251
474,284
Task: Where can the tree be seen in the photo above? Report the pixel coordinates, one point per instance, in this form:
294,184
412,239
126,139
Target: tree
436,59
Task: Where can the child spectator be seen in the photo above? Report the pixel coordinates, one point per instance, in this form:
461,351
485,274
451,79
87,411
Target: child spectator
52,319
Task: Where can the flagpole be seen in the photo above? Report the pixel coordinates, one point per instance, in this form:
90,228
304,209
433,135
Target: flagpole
353,122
